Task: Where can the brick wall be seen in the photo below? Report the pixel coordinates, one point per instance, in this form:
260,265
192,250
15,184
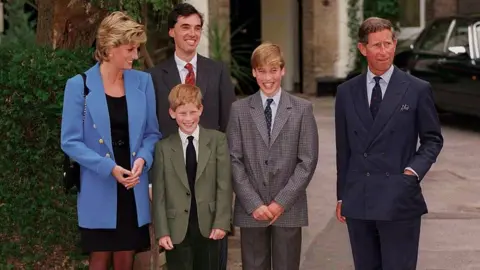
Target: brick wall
320,42
440,8
308,47
468,7
325,38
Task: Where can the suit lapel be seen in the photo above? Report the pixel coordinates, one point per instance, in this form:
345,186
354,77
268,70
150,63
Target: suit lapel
283,113
394,93
178,159
97,105
172,77
203,72
203,152
258,116
361,102
136,103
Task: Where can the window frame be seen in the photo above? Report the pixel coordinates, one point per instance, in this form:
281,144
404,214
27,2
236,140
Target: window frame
476,39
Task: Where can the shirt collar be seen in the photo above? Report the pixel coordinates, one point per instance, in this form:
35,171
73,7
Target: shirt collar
184,136
276,97
385,76
181,64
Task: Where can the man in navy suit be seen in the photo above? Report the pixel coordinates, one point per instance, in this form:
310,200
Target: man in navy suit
379,117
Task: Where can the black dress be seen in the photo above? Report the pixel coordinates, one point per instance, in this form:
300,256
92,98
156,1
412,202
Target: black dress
127,235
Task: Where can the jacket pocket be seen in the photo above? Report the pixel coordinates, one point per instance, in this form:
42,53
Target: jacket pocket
171,213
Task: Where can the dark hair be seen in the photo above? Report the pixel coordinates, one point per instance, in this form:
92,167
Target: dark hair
373,25
184,10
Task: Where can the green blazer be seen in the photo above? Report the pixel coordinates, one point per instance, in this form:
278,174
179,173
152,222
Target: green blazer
171,192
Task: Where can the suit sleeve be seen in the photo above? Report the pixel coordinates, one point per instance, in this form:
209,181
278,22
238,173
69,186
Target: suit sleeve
342,144
151,134
158,194
226,97
71,137
224,186
244,191
307,161
429,131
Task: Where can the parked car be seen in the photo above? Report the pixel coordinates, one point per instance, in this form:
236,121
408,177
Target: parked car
447,54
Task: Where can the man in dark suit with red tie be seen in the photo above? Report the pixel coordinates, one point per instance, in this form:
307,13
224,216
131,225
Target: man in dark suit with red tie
187,66
379,117
185,25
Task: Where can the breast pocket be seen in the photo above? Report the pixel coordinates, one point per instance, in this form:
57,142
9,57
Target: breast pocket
404,116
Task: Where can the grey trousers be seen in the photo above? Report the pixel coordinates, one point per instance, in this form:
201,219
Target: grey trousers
263,248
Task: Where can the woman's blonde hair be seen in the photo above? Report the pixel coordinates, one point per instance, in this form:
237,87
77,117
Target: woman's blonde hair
115,30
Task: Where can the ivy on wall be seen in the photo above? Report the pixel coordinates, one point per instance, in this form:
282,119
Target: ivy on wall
387,9
354,21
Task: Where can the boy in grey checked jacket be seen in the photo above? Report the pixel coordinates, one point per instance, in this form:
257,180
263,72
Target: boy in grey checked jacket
273,141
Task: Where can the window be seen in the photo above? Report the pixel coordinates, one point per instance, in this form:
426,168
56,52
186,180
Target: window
459,37
412,17
409,13
434,38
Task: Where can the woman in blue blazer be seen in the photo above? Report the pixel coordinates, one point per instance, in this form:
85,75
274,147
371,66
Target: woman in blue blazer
114,145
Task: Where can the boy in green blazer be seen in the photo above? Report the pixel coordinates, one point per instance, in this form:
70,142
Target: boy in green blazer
192,187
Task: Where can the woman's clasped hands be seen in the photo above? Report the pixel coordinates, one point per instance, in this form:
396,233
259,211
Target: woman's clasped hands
127,178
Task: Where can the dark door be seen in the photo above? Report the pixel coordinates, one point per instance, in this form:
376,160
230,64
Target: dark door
245,29
459,71
427,52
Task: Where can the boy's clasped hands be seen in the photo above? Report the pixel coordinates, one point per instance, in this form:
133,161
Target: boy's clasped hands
166,241
268,213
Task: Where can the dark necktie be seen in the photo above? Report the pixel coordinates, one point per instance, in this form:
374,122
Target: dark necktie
268,116
376,99
190,79
191,166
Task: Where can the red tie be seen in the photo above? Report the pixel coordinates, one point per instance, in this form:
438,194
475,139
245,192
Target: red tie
190,79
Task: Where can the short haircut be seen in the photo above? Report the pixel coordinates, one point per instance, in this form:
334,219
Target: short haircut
267,54
183,94
115,30
373,25
184,10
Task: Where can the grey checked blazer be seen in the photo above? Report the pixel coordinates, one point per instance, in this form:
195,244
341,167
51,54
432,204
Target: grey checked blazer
280,170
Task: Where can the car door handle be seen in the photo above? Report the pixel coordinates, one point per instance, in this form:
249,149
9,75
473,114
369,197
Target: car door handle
441,61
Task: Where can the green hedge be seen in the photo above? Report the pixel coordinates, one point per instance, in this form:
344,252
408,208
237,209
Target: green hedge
38,224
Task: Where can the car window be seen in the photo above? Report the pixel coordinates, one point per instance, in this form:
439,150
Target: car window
434,38
459,36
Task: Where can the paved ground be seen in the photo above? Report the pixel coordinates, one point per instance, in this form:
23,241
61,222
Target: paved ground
450,232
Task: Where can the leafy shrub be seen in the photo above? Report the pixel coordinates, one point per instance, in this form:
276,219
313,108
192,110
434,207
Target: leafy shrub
38,224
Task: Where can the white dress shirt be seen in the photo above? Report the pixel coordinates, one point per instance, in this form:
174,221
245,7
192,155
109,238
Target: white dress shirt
181,67
184,139
273,105
383,82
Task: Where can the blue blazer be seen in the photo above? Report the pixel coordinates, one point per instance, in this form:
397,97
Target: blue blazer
90,144
373,153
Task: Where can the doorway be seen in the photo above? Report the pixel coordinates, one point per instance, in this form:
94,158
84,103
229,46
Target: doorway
245,36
